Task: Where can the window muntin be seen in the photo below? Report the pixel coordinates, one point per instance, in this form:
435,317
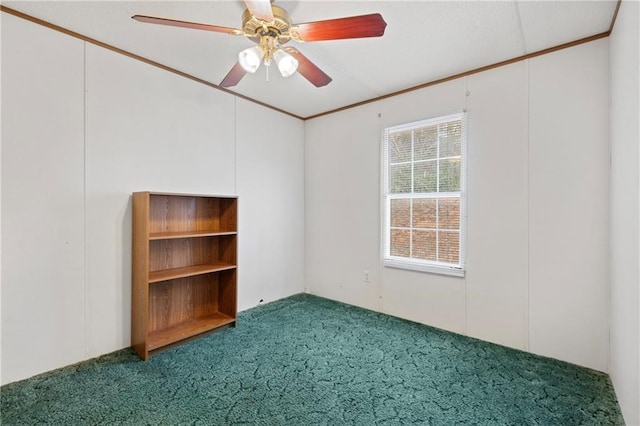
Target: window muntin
423,194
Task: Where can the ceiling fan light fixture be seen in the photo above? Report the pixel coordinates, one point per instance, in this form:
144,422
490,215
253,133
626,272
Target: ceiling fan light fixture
287,64
251,58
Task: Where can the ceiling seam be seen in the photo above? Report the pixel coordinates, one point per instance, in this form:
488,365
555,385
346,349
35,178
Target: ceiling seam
524,42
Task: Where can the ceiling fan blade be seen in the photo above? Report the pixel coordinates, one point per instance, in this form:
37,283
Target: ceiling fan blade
308,69
185,24
335,29
234,76
261,9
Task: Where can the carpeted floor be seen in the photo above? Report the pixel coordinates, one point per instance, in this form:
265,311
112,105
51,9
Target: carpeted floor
306,360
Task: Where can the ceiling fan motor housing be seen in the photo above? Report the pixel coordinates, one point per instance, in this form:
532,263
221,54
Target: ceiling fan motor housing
256,29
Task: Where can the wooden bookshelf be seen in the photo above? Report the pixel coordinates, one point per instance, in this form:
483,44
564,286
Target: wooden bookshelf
184,267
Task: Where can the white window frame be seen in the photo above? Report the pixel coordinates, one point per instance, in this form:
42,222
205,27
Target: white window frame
418,264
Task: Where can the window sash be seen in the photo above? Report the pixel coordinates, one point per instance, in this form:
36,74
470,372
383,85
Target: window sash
412,262
411,228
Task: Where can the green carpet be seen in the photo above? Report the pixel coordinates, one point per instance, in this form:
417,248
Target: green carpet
306,360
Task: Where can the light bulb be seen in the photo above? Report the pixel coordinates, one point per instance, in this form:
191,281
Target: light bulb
287,64
250,59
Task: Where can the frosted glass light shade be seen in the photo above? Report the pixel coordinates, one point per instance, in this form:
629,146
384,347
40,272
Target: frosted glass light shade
250,59
287,64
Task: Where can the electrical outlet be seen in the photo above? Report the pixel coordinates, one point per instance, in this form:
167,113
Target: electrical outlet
366,276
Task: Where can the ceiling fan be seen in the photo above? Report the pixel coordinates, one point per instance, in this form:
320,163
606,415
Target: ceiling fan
270,27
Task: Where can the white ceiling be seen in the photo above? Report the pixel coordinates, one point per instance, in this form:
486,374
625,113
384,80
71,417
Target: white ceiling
424,41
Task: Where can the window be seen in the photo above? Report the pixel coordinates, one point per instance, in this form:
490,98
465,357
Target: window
423,195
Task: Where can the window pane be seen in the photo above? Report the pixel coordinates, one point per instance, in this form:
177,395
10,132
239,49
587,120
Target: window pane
449,213
400,213
424,245
400,242
424,176
400,147
449,246
425,144
449,175
424,213
450,139
400,178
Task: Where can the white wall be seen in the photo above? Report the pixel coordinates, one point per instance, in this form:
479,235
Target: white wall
625,210
270,184
342,202
568,205
42,200
520,182
84,127
498,261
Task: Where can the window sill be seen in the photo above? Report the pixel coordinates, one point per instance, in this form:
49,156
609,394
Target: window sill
420,267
